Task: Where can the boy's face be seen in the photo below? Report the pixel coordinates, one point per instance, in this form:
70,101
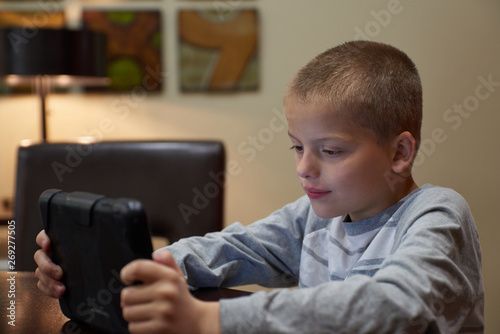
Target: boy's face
340,165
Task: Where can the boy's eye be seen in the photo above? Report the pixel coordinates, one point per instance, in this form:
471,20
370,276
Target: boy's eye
297,148
331,152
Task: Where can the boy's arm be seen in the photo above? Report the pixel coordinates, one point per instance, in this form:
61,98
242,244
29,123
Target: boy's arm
266,252
432,282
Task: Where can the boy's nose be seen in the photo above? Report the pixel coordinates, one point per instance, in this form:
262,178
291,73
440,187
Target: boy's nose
306,166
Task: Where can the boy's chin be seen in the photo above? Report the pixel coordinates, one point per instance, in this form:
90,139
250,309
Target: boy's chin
322,212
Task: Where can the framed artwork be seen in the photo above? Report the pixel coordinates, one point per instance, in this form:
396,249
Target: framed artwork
38,19
134,42
217,55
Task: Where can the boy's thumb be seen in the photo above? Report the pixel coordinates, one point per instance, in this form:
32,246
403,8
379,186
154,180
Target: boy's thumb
166,258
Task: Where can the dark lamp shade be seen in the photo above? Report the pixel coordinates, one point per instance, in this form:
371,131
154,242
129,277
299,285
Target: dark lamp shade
45,58
30,52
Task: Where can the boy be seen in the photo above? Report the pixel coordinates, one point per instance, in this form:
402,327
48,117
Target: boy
369,249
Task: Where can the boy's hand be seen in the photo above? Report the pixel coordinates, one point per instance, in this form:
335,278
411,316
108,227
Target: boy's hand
48,273
163,303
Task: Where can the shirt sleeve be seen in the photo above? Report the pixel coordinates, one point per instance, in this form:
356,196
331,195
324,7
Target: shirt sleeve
431,283
266,252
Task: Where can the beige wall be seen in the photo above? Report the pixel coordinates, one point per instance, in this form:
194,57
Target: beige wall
455,44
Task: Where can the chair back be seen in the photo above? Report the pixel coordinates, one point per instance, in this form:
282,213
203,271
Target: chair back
180,184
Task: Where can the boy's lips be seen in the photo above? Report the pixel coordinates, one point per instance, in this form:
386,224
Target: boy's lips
315,193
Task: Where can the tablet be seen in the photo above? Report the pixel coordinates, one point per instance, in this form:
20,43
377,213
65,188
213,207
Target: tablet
92,238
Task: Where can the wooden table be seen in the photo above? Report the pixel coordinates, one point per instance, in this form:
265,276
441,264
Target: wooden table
32,312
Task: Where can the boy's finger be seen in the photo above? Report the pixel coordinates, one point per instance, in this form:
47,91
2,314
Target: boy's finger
137,313
151,326
46,265
145,271
49,286
43,240
166,258
147,293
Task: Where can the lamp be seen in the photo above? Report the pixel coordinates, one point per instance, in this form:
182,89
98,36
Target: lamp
46,58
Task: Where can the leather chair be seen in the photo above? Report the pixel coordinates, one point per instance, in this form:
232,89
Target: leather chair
180,184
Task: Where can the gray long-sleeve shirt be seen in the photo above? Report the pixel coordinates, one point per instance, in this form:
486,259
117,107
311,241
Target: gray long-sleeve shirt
413,268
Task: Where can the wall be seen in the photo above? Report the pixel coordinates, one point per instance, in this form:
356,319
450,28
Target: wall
455,45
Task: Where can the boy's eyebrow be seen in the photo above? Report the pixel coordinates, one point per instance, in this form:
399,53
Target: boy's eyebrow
345,139
290,135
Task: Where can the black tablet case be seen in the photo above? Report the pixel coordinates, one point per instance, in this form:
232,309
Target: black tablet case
92,238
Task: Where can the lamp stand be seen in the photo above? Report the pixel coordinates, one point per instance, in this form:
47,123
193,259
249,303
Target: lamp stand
42,88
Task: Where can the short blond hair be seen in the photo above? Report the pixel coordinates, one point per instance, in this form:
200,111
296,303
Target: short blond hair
374,84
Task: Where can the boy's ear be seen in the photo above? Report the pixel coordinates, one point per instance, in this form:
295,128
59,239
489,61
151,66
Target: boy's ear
404,155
